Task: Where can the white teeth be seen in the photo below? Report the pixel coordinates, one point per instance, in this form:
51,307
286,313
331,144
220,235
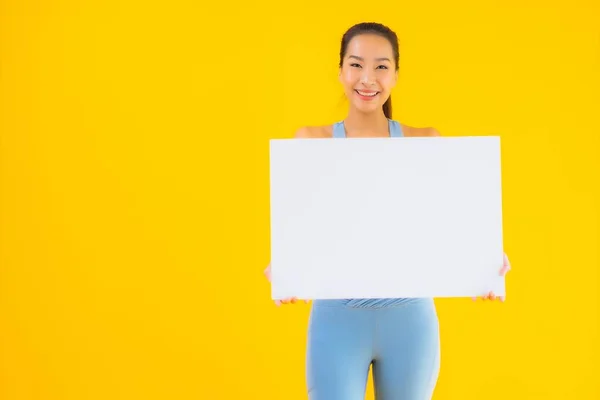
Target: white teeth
366,94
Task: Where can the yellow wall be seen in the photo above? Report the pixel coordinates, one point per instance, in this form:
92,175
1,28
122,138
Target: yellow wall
134,190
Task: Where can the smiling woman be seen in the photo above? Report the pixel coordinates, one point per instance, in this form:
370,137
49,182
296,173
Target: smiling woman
399,338
368,72
369,63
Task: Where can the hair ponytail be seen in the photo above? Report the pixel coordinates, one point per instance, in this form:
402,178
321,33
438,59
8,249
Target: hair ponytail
387,108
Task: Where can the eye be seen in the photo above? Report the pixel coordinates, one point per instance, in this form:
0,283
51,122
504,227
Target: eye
383,66
355,65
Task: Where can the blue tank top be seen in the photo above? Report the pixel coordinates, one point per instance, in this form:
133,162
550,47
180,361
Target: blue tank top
394,127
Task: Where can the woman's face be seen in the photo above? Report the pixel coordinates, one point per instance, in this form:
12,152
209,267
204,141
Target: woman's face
368,72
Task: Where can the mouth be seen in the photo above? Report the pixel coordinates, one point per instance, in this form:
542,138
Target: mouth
366,95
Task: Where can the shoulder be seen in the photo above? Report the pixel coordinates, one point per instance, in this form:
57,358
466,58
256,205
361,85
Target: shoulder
413,131
326,131
314,132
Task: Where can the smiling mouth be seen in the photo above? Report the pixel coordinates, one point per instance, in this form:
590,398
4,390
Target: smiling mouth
366,94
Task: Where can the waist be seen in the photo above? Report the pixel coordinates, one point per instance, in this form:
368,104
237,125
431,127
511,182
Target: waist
371,303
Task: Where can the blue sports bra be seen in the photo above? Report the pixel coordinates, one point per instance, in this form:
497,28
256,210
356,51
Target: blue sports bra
395,129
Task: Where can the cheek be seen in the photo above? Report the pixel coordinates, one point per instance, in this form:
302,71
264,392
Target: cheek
349,78
387,81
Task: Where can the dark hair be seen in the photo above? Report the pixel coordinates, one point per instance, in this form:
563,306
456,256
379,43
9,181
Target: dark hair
377,29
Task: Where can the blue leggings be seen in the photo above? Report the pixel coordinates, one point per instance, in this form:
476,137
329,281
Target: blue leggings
398,337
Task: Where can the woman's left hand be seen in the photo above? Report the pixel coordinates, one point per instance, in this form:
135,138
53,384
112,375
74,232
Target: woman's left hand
503,272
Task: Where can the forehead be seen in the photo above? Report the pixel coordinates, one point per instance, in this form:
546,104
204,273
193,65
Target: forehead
369,46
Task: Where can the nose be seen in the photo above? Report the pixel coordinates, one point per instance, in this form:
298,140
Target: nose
367,77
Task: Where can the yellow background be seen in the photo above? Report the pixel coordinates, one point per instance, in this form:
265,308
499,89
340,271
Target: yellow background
134,189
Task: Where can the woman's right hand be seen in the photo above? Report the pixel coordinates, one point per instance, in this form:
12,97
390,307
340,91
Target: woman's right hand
288,300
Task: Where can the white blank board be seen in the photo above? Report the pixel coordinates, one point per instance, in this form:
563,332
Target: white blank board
386,217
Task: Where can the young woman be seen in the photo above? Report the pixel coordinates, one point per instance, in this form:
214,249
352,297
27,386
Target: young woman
398,337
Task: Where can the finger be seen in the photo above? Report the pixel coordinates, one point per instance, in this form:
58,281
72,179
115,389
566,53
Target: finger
505,266
277,303
293,300
474,298
502,298
306,301
492,296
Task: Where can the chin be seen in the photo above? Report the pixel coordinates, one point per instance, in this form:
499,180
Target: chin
367,108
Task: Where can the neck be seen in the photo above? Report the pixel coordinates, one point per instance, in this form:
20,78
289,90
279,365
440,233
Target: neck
359,124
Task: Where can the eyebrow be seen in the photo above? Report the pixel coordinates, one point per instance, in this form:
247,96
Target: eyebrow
377,59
